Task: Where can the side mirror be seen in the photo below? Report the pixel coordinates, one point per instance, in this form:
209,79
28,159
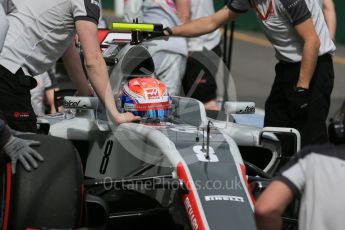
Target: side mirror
80,103
284,131
238,108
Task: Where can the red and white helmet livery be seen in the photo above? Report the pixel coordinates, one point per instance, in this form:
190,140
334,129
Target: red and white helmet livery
146,97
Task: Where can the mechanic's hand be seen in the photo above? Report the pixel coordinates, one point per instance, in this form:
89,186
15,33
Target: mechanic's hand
299,100
19,149
167,31
126,117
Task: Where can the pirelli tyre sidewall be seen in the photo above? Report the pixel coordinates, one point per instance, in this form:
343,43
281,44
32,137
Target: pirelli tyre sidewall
48,197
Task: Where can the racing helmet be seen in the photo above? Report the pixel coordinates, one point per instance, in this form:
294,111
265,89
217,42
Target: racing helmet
147,98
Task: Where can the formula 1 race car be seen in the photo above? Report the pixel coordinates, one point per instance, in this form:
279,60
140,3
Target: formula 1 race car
188,171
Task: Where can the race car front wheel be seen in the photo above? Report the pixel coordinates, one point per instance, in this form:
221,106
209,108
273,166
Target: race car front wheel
48,197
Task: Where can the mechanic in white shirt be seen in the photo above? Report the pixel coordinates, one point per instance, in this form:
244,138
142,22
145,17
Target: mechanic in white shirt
205,89
300,95
170,56
40,32
15,148
3,23
315,176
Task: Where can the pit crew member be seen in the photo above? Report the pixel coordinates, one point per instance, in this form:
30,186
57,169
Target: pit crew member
4,8
300,95
315,176
170,56
40,32
206,90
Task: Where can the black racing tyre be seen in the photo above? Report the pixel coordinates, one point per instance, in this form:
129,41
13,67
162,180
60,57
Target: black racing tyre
52,195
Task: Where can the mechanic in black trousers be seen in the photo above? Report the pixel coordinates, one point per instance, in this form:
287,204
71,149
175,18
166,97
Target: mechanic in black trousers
40,32
15,148
300,96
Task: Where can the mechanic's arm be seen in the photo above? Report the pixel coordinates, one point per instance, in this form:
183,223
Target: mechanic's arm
204,25
73,65
330,16
311,47
97,70
183,10
271,205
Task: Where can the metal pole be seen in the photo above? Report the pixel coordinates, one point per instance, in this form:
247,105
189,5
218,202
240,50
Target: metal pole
225,44
231,42
226,57
225,41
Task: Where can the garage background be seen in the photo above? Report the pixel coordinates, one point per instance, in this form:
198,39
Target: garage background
248,21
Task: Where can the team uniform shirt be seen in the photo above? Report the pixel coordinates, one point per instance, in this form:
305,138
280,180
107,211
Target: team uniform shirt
278,19
7,6
317,176
3,23
157,12
40,32
198,9
3,26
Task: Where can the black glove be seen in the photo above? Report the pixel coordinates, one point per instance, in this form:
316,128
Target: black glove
299,99
162,35
167,31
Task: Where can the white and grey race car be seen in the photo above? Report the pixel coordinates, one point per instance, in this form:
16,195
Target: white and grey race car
193,171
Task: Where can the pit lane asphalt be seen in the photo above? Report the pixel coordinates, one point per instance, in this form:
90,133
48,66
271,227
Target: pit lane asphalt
253,64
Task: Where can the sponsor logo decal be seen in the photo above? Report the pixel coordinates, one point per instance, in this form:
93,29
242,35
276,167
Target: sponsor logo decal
152,93
190,213
189,201
21,114
71,103
294,4
147,106
264,16
248,109
224,198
